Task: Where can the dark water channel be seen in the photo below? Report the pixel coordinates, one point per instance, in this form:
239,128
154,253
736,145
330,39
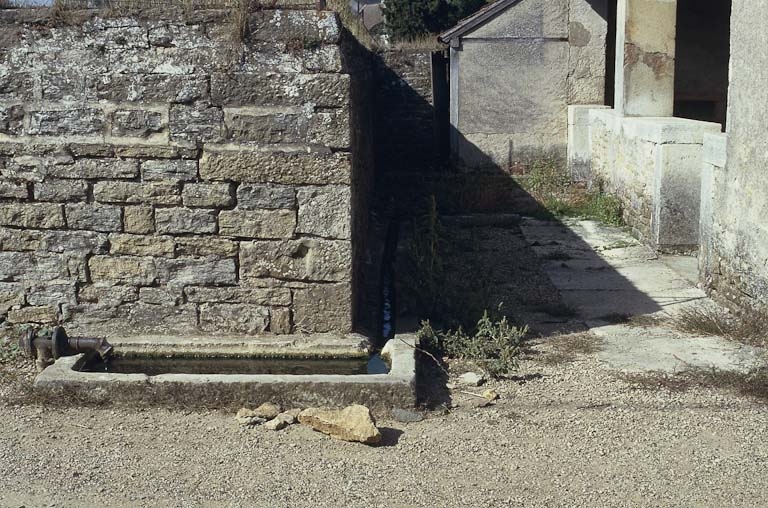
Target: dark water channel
152,366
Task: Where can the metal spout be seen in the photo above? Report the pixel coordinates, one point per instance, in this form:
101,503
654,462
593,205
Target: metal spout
47,346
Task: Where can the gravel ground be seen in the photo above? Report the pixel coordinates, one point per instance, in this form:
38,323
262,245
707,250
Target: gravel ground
567,431
563,434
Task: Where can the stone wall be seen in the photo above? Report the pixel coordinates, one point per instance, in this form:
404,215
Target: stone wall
739,242
156,176
513,78
653,165
405,115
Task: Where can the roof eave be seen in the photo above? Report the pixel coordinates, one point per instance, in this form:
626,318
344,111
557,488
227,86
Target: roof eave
471,22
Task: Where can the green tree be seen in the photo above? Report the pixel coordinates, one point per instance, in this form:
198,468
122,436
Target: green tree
408,19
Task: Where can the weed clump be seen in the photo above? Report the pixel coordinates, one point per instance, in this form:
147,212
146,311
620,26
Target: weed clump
494,345
750,328
567,348
753,383
551,186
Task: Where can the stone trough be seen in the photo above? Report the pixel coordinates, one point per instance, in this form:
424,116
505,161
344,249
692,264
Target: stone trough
69,378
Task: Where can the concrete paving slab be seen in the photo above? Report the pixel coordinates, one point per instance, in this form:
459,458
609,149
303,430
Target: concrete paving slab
606,275
662,349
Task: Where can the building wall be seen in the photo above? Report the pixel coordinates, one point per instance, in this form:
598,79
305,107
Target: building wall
739,270
513,78
155,176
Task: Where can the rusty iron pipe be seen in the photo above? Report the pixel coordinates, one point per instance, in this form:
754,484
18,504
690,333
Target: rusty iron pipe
46,346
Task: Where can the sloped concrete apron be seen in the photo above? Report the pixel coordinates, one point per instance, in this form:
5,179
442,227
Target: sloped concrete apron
377,391
606,276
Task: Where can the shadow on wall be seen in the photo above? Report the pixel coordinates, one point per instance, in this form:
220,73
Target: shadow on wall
455,240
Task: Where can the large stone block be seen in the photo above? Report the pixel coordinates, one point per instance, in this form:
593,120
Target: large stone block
61,190
257,223
64,84
266,196
11,119
185,220
152,88
204,246
156,193
136,123
28,215
256,296
84,242
184,36
292,124
13,239
307,260
208,195
37,266
280,320
165,319
55,292
13,264
265,128
323,308
32,168
102,36
138,219
244,89
197,123
325,211
16,86
97,168
160,296
234,318
330,128
11,295
107,295
46,314
179,170
299,27
276,167
13,190
156,152
68,122
128,270
94,217
141,245
174,61
264,57
94,319
82,150
197,271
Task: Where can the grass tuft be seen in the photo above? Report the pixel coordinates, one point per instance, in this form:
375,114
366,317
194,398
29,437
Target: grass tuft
567,348
549,183
749,328
752,384
494,345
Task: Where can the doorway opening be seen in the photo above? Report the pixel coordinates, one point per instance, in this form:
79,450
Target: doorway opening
702,52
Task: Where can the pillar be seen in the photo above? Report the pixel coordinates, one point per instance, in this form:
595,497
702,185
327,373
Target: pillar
645,57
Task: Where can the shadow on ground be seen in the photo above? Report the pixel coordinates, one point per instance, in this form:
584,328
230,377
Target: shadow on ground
450,244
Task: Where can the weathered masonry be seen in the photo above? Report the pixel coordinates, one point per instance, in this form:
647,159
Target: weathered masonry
156,176
686,71
516,65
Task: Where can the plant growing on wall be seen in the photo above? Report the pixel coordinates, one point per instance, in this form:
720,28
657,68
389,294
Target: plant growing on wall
410,19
